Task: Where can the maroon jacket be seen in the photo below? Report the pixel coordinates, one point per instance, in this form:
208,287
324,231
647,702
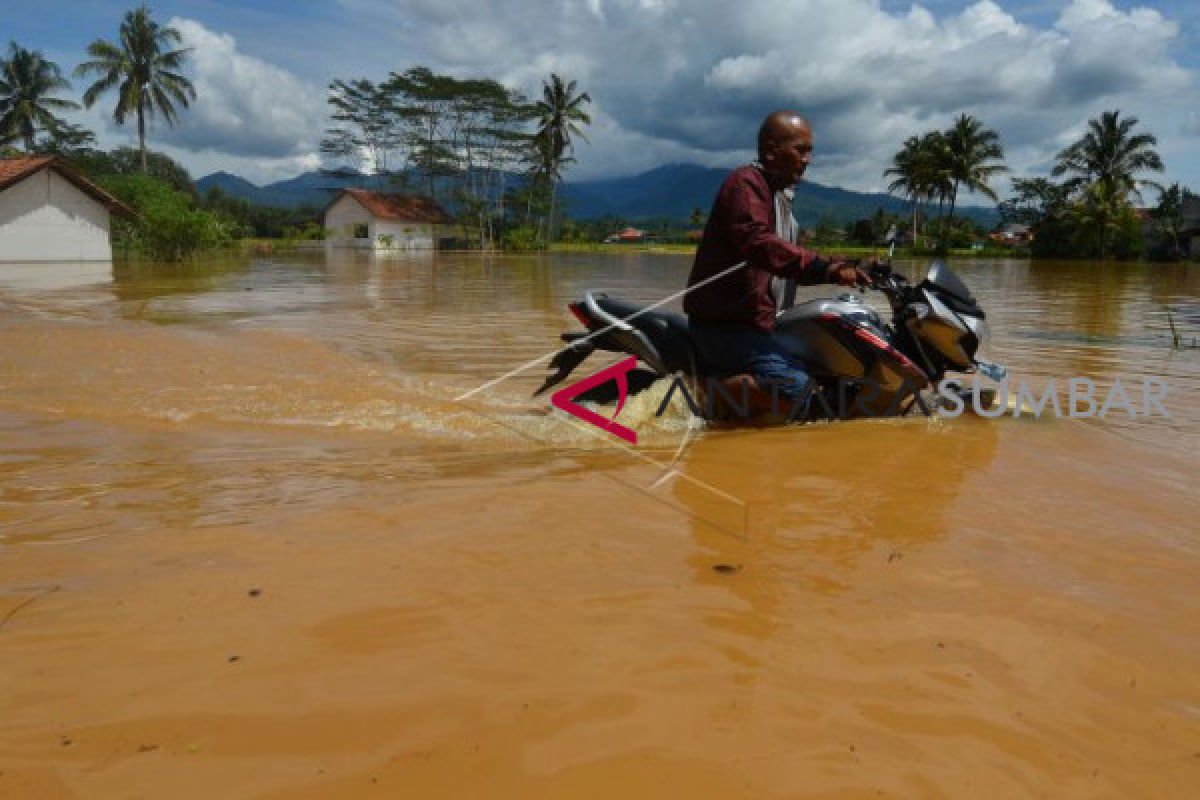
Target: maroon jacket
741,227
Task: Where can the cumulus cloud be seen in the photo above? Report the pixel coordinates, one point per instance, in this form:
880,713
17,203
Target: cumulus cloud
696,77
244,106
689,80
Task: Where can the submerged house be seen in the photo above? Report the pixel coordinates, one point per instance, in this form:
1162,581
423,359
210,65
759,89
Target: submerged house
49,212
377,221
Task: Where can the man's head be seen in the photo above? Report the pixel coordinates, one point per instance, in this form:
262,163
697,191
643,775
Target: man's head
785,146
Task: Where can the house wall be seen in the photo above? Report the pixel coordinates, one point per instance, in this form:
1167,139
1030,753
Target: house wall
340,221
46,218
406,235
346,213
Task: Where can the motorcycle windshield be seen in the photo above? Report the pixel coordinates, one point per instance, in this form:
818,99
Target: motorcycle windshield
944,278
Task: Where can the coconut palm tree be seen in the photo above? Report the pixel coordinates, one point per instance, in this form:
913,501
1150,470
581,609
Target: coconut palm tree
146,73
973,152
544,169
27,83
560,114
920,170
1108,154
1105,163
908,178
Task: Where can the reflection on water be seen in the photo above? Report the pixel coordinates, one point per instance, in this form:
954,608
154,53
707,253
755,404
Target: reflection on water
349,342
913,607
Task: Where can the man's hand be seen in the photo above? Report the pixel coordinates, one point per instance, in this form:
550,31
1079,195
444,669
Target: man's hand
845,273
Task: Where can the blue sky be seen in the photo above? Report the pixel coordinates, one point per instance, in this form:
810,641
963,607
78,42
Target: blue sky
672,80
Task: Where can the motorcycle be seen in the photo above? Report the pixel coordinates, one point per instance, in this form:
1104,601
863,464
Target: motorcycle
860,365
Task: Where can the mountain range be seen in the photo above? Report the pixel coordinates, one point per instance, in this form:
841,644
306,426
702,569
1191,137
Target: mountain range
673,191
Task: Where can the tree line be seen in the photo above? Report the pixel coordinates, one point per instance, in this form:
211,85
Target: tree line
462,140
496,158
1089,212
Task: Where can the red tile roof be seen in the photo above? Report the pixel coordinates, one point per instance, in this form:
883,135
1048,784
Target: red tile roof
399,207
15,170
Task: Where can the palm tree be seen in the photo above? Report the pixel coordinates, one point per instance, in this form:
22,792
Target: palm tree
544,170
27,82
1105,164
560,114
920,171
938,159
1108,154
973,150
144,70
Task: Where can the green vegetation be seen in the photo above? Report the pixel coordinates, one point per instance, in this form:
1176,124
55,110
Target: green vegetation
146,74
973,157
937,164
28,83
1102,169
263,222
560,115
1169,222
461,140
496,159
168,226
1091,214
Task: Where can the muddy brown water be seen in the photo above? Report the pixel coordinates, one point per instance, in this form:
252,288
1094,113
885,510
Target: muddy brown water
251,546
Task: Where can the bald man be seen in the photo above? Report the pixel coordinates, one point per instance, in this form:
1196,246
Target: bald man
732,317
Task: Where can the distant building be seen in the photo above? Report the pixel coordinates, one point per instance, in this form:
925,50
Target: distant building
1189,232
49,212
627,235
1014,235
376,221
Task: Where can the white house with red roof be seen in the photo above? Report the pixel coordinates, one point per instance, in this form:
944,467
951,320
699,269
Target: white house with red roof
375,221
49,212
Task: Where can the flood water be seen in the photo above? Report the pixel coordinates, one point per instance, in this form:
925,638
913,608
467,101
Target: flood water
251,545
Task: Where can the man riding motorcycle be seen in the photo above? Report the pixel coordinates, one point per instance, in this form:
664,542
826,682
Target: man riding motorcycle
749,240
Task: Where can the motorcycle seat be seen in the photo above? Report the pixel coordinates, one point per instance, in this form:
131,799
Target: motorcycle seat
660,320
668,332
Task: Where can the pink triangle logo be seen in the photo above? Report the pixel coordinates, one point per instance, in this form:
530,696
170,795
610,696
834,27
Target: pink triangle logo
618,372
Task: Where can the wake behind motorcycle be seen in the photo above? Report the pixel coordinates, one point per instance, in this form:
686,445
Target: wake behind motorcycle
860,365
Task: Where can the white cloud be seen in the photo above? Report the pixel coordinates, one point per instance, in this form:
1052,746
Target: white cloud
696,77
690,81
244,106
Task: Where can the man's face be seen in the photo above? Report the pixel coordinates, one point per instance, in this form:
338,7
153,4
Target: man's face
791,152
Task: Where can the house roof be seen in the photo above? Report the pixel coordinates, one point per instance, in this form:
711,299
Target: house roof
397,207
15,170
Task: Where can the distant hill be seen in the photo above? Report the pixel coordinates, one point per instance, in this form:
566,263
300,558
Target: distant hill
310,188
671,191
676,190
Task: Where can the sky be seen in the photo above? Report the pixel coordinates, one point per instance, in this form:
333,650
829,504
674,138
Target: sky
672,81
